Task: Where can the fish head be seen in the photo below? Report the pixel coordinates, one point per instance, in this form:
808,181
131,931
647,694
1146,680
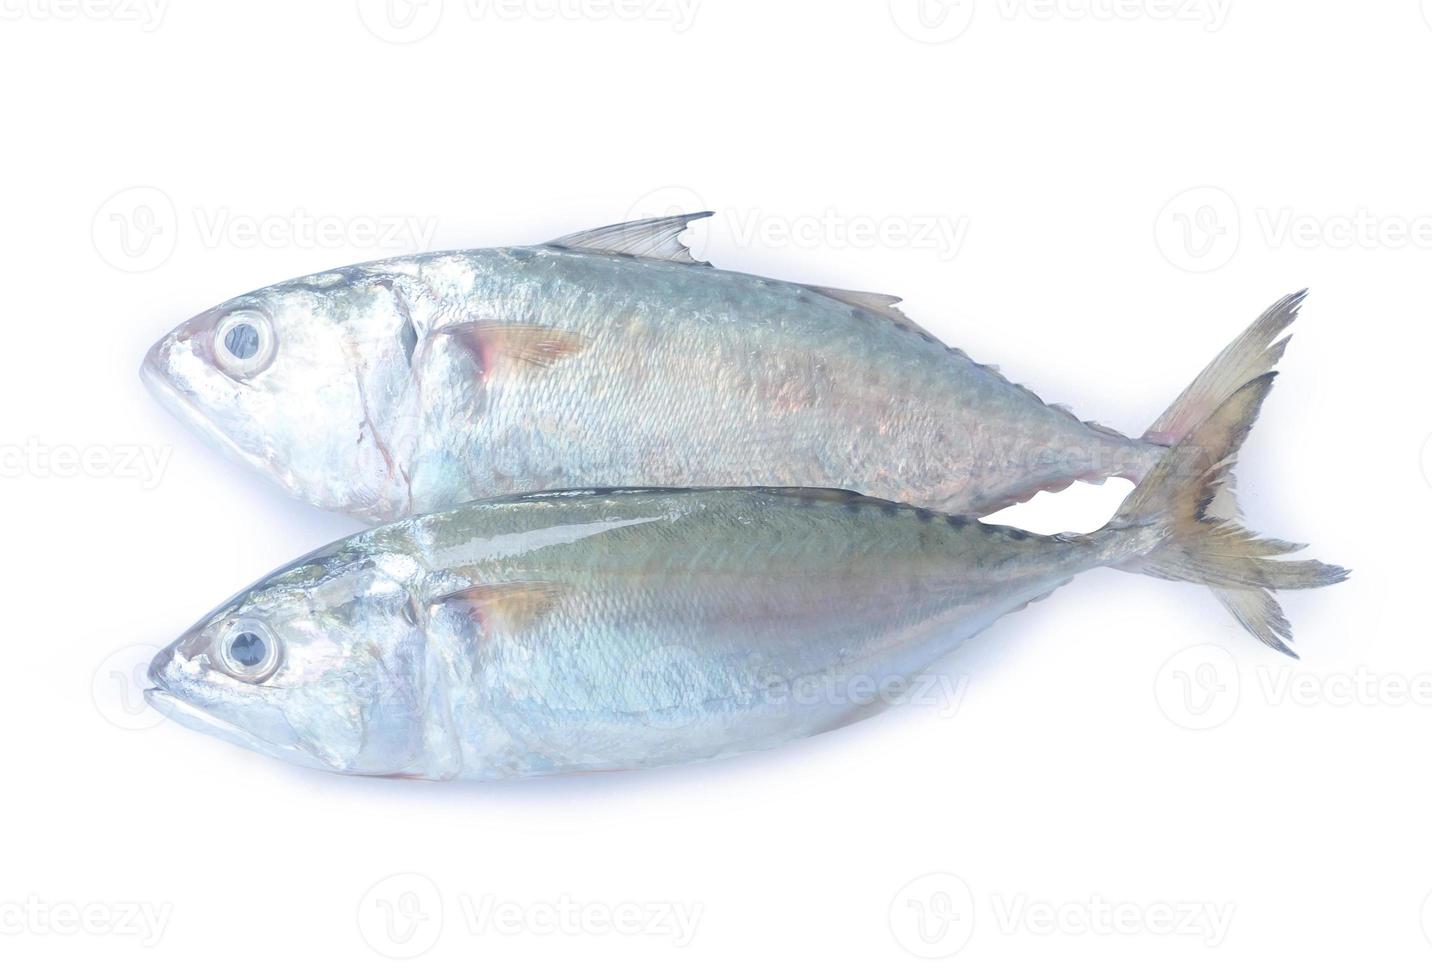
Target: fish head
307,382
321,664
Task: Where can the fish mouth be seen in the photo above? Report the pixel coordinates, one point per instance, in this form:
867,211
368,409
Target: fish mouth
206,722
178,403
192,716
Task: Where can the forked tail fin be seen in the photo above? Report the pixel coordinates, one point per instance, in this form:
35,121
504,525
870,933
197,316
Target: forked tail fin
1180,539
1251,355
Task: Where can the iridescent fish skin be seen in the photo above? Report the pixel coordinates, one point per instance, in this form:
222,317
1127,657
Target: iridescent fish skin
598,630
608,631
609,358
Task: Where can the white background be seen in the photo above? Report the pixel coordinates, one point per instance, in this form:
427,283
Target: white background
1096,195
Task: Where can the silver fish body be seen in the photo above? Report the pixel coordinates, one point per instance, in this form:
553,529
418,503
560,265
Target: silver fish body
602,630
592,630
410,385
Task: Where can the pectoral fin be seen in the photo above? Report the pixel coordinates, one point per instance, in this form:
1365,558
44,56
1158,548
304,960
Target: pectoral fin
495,344
505,606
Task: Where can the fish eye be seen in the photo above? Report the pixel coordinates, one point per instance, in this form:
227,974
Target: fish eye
247,650
244,343
242,340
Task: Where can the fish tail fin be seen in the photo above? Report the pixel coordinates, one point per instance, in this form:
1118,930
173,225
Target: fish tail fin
1173,535
1252,354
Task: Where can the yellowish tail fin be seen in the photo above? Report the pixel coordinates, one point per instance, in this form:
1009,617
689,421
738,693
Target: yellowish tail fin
1184,542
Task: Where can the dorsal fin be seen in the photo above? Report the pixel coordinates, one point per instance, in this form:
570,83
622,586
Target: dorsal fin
881,304
649,238
658,238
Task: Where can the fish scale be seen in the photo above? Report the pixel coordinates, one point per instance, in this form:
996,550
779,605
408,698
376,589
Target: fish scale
513,370
611,358
563,630
676,619
576,631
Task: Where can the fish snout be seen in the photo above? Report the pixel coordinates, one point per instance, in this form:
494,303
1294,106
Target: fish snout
159,375
178,361
167,671
159,667
152,374
184,382
174,669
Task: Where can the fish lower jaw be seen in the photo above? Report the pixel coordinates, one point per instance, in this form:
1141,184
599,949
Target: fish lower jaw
207,723
178,404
